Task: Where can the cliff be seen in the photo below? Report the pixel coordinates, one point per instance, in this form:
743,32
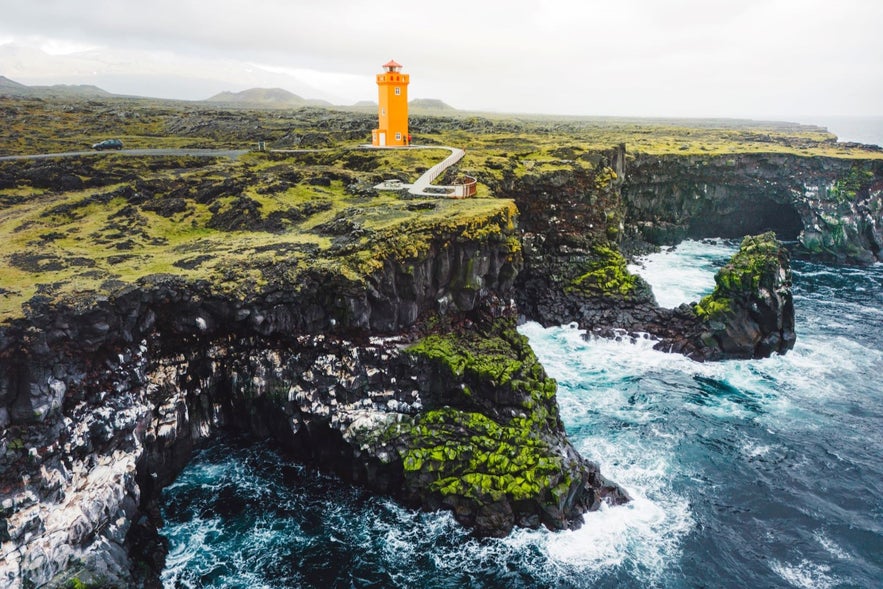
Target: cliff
408,378
832,207
574,222
145,304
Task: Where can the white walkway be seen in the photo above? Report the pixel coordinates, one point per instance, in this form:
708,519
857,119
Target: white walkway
423,186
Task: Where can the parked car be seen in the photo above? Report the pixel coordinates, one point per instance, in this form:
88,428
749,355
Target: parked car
108,144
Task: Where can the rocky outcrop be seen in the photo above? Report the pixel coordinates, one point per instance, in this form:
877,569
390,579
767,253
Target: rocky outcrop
411,381
571,224
574,272
750,314
833,207
493,415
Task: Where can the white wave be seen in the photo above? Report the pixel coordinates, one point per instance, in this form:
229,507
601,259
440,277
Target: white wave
805,574
647,532
209,474
185,556
644,532
830,546
604,365
684,273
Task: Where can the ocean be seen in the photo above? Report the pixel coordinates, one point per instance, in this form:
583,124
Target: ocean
761,473
867,130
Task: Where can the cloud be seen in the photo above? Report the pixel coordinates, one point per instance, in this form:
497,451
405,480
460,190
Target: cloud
675,57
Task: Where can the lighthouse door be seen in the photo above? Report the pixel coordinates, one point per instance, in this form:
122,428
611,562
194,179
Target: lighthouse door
382,139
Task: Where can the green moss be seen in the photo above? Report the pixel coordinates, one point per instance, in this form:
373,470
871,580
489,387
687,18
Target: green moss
492,362
470,455
490,358
72,244
461,451
754,266
78,583
604,177
846,189
607,275
710,307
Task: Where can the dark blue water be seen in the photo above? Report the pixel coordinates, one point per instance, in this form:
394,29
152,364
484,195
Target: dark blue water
744,474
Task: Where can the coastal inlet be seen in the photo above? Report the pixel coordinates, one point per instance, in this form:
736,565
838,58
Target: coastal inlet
760,473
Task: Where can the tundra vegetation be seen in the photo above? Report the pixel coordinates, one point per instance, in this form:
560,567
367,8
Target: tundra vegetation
79,227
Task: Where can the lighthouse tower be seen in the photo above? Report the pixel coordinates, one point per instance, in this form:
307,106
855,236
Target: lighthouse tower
392,106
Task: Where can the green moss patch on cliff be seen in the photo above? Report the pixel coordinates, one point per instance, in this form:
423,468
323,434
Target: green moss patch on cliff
606,275
469,455
852,184
462,449
754,266
492,359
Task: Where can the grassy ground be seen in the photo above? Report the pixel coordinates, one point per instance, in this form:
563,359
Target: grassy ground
232,223
87,225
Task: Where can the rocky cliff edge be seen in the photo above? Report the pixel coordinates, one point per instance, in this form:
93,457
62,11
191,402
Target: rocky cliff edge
410,380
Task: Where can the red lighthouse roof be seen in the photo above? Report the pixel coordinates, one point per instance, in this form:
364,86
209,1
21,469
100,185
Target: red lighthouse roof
392,63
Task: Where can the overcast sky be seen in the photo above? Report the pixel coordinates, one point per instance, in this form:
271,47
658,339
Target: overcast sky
755,58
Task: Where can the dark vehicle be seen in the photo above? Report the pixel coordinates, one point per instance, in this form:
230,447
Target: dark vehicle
108,144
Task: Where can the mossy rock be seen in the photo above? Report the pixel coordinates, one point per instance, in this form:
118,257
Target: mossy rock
755,266
606,275
491,436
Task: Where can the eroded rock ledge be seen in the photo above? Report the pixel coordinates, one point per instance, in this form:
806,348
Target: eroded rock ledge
412,382
574,272
832,207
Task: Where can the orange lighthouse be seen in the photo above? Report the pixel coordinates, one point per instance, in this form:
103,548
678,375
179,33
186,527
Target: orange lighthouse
392,107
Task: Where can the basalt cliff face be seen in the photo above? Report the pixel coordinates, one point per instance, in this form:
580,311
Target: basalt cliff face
367,334
574,226
412,382
832,207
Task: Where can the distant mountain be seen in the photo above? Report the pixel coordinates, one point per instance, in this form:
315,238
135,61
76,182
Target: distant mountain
7,84
133,72
72,91
430,104
424,105
12,88
271,97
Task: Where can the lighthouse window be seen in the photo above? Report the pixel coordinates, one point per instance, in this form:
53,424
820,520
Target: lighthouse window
398,91
398,136
382,111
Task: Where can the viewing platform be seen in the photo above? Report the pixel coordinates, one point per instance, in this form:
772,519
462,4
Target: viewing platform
423,185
